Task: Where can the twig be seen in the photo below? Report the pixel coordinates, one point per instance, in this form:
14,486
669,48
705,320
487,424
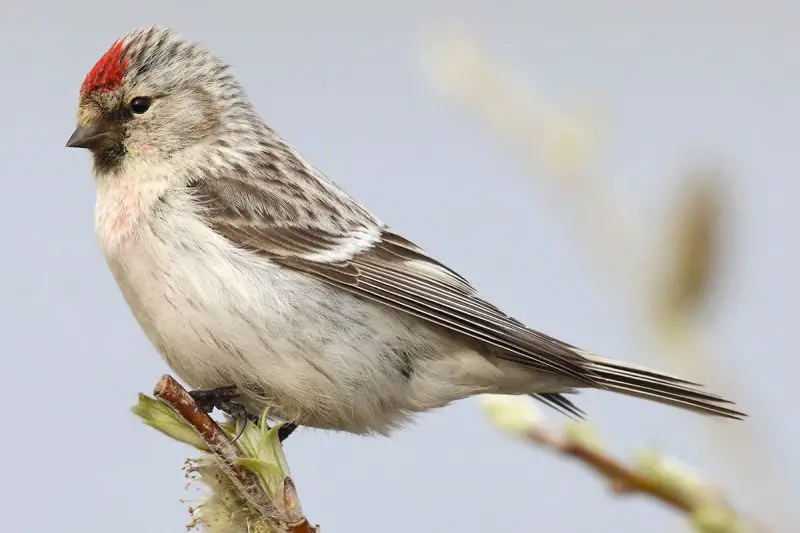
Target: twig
171,392
225,450
296,521
622,478
662,479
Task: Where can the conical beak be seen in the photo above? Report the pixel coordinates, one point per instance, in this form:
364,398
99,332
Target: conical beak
86,136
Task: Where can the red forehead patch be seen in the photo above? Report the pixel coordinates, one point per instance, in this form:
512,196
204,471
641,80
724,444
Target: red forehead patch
107,73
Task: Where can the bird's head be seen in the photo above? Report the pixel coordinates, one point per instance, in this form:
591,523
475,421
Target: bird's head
152,95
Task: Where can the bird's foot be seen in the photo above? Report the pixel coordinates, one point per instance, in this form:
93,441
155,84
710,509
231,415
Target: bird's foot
286,430
222,398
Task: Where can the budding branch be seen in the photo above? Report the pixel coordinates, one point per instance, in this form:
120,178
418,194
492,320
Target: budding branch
622,478
219,443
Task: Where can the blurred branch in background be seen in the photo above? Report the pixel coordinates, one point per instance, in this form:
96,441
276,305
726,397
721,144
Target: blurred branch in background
250,490
653,475
667,285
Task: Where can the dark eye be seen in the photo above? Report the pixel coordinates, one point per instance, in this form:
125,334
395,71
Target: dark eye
140,104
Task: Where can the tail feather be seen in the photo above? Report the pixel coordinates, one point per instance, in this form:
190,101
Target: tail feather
632,380
561,403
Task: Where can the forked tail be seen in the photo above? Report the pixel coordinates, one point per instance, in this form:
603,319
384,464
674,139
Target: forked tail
640,382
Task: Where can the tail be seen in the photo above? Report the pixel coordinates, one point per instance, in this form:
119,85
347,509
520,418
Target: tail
640,382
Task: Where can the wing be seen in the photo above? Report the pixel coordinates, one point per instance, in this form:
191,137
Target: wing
356,253
297,218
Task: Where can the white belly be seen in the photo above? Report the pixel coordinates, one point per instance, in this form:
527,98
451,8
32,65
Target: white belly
221,316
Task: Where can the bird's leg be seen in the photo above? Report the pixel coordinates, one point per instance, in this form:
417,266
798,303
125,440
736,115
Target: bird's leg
286,430
222,398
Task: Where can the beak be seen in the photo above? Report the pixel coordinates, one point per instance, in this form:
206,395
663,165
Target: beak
87,136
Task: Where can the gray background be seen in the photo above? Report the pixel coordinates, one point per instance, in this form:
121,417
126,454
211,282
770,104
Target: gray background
342,81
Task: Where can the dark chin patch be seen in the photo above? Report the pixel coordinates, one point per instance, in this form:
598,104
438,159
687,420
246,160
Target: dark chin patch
108,158
108,154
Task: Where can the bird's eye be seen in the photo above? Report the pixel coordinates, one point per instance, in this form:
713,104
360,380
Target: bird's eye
140,104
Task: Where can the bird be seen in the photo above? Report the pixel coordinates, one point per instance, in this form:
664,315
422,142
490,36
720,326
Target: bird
250,270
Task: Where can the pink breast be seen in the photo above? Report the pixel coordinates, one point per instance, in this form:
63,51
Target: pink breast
119,214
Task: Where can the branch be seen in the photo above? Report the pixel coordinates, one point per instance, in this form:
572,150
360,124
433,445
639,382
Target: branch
255,468
651,475
622,478
171,392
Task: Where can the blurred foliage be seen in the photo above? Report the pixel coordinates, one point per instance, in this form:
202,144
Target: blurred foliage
693,250
669,285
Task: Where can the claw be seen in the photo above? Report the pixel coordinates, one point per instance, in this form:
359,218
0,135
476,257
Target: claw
222,398
241,431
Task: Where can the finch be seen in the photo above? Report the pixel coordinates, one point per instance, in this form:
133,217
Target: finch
247,267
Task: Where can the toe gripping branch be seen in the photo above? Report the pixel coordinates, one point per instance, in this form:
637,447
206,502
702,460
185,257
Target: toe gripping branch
224,399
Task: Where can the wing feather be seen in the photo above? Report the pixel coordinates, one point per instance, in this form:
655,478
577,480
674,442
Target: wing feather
343,245
392,271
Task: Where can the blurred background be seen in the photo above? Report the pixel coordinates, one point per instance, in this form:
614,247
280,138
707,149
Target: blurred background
621,175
